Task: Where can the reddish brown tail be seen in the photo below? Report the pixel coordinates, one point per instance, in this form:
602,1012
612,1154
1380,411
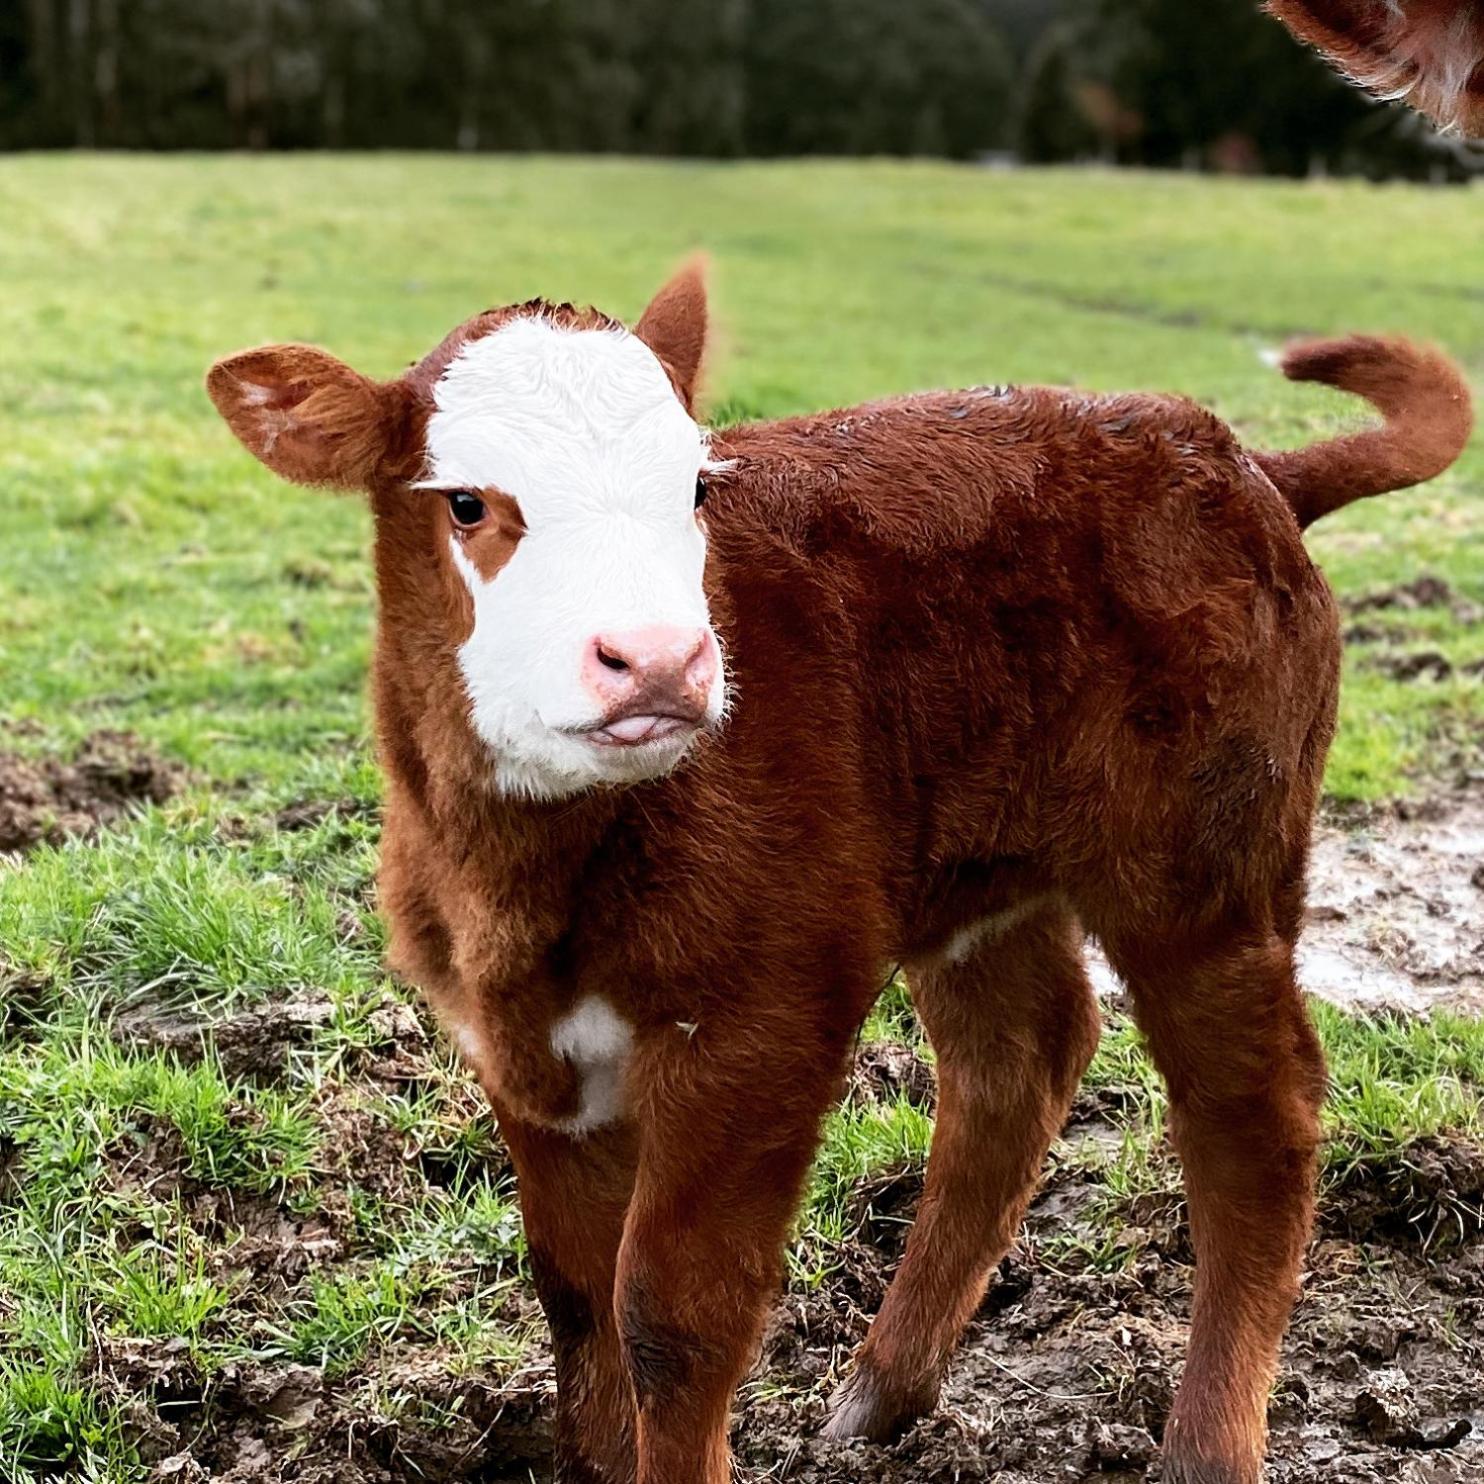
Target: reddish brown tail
1420,392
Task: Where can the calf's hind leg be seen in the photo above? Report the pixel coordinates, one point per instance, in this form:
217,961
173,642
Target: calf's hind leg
1014,1026
1229,1032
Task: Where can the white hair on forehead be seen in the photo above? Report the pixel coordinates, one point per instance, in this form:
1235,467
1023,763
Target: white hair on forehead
591,374
557,416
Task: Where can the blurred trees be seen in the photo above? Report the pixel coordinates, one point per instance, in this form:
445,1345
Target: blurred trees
707,77
1153,82
1214,85
860,77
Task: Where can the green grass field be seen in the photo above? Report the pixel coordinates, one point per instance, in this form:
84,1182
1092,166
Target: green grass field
153,579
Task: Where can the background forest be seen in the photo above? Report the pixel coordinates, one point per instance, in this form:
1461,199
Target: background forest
1146,82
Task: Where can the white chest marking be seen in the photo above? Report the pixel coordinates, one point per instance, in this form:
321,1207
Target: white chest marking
597,1041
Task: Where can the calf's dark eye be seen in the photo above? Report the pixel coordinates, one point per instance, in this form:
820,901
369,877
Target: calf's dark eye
700,491
467,509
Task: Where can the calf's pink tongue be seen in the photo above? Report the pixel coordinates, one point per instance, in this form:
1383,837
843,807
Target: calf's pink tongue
631,728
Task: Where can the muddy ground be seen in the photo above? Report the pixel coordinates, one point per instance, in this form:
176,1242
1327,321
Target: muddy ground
1068,1371
1066,1374
1396,906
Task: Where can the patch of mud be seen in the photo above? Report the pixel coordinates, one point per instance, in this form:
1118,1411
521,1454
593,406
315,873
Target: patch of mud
1370,632
1396,908
45,800
1382,622
887,1070
306,814
24,1003
272,1247
1069,1368
255,1042
258,1042
1423,664
254,1422
272,1424
1426,591
1430,1192
405,1039
10,1177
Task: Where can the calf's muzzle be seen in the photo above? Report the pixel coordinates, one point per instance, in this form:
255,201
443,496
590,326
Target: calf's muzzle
651,683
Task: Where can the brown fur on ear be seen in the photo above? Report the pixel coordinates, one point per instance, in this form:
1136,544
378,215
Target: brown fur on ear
674,327
1430,52
307,416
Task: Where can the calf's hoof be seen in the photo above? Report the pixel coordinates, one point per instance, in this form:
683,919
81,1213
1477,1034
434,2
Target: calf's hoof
863,1408
1185,1461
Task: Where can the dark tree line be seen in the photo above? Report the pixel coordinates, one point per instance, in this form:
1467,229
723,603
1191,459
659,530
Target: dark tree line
690,77
1162,82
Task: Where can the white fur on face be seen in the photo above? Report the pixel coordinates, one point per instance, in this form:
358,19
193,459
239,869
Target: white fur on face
583,429
597,1041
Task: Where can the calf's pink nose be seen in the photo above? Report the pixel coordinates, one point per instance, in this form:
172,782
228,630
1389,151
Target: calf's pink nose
662,669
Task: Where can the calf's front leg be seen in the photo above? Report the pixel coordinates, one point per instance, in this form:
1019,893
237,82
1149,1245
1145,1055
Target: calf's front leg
729,1124
574,1193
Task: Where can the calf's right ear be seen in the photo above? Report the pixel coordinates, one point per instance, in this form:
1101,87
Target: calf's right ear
306,415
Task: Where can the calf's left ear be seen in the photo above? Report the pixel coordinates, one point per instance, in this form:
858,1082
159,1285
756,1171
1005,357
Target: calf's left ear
674,327
306,415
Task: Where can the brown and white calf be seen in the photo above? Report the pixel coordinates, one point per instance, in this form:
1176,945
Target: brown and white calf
952,679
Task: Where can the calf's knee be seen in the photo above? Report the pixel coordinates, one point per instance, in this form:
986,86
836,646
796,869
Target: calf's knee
664,1360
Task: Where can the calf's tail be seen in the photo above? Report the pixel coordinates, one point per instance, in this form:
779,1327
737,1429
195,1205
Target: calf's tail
1421,394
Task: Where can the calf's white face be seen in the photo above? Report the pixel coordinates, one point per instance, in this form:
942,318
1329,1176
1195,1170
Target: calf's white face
572,471
591,658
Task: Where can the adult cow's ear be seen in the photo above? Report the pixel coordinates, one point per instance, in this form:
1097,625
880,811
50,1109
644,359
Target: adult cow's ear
1429,52
674,327
306,415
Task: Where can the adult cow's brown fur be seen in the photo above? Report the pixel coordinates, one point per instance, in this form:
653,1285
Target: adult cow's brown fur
1430,52
1009,666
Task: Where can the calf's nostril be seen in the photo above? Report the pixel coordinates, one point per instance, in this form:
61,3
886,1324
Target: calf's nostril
611,660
